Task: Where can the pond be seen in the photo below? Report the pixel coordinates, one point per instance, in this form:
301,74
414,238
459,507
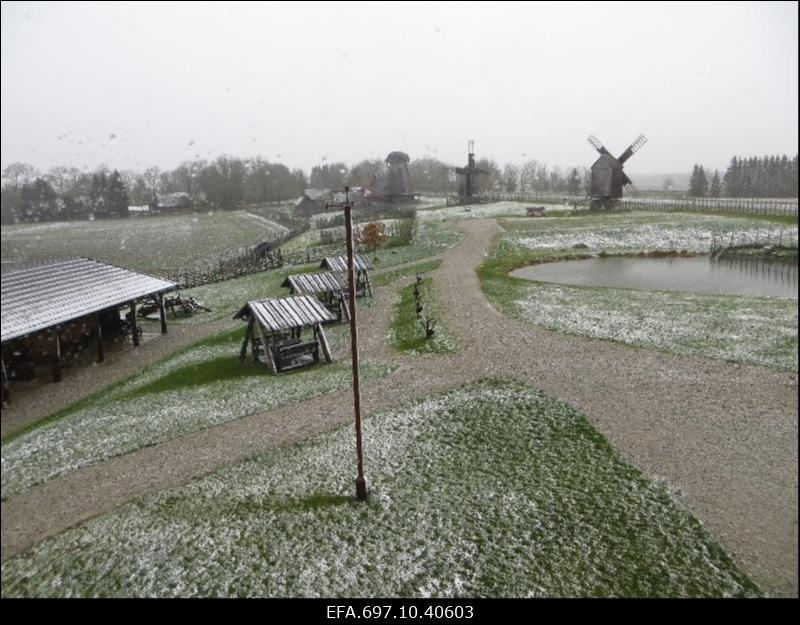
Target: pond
697,274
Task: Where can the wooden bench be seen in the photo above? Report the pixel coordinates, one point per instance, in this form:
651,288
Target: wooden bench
294,355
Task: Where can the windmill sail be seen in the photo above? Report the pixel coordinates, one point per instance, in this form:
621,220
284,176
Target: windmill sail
632,148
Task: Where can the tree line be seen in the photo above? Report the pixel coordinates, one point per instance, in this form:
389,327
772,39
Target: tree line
68,193
763,177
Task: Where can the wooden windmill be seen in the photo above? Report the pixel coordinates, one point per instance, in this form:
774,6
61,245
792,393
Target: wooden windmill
468,176
608,178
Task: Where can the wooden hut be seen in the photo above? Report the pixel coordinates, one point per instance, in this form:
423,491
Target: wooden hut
274,332
54,309
327,287
361,265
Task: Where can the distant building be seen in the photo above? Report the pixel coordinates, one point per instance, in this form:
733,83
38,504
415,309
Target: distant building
171,201
394,182
311,202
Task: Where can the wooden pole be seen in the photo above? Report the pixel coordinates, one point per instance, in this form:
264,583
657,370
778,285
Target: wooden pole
162,314
248,333
361,483
100,355
56,355
134,333
6,392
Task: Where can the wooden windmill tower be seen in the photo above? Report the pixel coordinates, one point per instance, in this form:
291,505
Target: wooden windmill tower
468,176
608,178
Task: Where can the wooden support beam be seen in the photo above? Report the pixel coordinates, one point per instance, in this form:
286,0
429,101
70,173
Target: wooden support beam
56,355
162,313
134,333
100,356
6,392
326,348
247,336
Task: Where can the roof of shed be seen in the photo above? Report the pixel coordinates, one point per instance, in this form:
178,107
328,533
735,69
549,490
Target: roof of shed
339,263
287,312
41,295
310,283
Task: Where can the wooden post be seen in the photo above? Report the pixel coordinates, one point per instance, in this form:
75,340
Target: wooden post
134,333
162,314
56,355
248,333
361,482
100,355
6,392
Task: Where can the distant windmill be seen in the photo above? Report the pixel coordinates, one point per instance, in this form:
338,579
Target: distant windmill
468,176
395,182
608,179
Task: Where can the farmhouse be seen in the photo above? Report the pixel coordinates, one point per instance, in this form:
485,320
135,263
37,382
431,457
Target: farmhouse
53,310
310,203
329,288
274,329
361,266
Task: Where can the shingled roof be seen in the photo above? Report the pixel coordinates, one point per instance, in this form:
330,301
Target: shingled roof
285,313
339,263
311,283
42,295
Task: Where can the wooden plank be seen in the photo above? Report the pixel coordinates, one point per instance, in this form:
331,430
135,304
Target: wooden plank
100,355
56,355
326,348
6,391
162,314
134,333
248,333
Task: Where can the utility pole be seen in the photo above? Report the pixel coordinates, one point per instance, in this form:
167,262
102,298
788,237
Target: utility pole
361,482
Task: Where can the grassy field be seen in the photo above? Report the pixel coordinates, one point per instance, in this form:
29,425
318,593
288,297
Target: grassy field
490,490
750,330
157,244
408,334
494,210
199,387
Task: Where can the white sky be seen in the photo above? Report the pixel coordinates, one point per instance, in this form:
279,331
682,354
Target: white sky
299,82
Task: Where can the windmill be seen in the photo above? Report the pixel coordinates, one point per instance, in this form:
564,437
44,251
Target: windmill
608,179
468,176
395,182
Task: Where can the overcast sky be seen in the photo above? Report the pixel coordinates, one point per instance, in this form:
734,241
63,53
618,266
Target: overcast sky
139,84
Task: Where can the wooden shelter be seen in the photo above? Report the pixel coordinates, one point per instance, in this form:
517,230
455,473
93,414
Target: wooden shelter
361,264
329,288
56,308
274,332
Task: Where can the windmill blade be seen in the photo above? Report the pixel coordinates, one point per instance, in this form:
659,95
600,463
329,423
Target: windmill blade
595,143
632,148
631,188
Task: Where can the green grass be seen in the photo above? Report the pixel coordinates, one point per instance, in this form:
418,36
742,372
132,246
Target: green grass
158,244
387,277
196,388
749,330
490,490
408,334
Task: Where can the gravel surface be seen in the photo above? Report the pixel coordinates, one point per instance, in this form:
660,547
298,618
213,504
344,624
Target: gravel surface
723,436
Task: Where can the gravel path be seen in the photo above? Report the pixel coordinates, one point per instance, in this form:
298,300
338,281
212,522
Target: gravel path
723,435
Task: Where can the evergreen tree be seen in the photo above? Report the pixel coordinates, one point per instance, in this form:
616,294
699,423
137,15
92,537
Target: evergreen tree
715,189
116,199
698,183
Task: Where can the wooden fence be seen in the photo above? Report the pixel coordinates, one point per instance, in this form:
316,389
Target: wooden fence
747,206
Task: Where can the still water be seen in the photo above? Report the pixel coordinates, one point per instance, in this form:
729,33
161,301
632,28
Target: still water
697,274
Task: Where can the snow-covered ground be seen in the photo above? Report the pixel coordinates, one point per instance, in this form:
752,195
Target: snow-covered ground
139,413
489,211
490,490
